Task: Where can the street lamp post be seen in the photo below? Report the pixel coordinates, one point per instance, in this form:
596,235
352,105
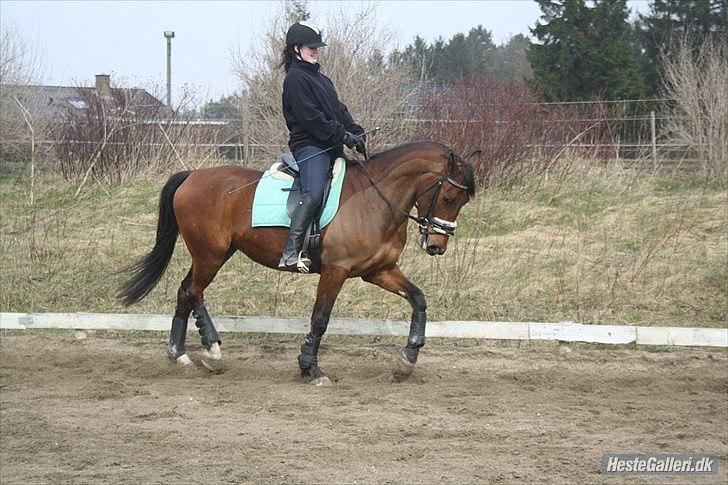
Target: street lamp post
169,35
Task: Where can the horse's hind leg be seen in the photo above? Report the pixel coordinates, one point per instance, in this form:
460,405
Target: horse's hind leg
177,335
392,280
190,298
203,272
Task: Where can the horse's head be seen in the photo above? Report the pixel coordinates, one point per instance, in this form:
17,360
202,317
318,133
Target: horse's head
441,196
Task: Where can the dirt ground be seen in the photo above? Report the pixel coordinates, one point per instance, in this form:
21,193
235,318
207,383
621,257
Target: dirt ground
109,408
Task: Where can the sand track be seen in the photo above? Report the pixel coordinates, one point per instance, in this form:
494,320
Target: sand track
113,409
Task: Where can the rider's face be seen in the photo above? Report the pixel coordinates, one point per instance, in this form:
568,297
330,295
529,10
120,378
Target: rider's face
309,54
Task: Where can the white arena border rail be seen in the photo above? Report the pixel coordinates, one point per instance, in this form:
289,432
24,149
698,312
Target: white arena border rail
568,332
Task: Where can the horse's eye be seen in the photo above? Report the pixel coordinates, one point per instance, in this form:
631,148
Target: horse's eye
446,200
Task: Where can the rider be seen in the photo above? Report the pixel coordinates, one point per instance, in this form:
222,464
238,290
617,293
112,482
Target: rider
316,120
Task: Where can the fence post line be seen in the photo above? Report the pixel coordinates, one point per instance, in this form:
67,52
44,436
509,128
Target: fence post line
654,139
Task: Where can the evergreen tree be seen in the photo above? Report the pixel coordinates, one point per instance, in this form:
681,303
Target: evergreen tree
671,21
585,52
417,55
447,61
510,62
455,62
480,50
227,107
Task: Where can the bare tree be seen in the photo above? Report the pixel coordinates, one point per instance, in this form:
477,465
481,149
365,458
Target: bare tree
20,63
22,113
697,78
375,93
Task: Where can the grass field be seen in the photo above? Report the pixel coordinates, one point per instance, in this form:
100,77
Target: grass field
602,245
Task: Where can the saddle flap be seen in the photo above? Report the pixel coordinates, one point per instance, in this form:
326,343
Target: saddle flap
271,194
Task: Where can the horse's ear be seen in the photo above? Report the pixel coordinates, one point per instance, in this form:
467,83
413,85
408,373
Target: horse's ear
475,160
451,157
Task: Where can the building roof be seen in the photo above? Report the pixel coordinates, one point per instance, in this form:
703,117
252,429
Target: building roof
52,103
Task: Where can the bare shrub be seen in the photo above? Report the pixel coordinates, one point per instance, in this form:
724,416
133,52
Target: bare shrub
376,94
115,136
518,135
697,78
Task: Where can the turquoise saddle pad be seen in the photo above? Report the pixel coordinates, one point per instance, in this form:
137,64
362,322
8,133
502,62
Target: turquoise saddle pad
269,204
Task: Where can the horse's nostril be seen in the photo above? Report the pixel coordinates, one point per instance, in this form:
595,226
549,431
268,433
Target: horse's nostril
433,250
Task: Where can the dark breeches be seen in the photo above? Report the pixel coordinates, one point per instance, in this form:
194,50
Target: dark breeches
314,171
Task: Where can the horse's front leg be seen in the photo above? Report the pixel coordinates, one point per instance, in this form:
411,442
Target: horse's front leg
329,286
392,279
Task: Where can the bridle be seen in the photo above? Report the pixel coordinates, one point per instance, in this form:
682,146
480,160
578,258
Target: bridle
428,224
439,226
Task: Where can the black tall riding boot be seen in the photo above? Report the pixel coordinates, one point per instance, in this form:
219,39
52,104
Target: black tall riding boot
301,219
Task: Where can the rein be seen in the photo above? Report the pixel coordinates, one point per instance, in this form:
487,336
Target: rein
438,225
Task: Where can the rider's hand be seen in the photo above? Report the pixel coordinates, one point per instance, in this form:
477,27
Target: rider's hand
350,140
361,147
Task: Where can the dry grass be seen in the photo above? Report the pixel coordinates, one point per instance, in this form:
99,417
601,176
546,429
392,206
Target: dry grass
596,246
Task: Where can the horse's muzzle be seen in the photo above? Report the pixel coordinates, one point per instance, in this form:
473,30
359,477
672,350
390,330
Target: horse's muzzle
429,242
434,250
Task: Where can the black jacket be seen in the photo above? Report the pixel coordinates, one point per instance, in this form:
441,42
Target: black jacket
314,115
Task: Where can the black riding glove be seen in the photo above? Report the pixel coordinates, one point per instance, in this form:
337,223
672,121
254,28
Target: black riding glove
361,147
350,140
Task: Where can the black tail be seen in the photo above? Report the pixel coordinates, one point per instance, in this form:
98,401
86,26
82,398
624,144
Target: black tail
149,269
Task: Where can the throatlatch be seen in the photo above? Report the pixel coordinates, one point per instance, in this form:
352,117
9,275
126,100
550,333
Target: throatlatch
206,328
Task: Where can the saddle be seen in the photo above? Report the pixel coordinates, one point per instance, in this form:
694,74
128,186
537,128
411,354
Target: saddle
287,169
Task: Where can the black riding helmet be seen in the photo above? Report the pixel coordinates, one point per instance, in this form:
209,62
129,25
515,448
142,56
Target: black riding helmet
303,33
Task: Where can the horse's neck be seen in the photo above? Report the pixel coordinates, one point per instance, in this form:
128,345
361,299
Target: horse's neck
398,179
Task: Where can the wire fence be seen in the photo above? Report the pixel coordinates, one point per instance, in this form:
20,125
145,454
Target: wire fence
631,138
631,130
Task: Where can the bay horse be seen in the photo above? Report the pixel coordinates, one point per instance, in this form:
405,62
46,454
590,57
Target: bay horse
212,209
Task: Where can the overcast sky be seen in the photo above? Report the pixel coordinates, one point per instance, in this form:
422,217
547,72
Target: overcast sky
78,39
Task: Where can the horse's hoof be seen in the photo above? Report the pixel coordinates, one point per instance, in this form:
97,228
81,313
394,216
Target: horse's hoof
216,366
212,365
403,368
212,359
321,382
315,377
214,352
184,360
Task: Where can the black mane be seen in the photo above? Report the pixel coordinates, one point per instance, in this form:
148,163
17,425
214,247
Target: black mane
447,152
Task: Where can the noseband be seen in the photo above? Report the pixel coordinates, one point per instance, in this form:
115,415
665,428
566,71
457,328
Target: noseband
434,225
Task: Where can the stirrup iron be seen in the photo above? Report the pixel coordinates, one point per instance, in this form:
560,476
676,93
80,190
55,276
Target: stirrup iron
304,263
